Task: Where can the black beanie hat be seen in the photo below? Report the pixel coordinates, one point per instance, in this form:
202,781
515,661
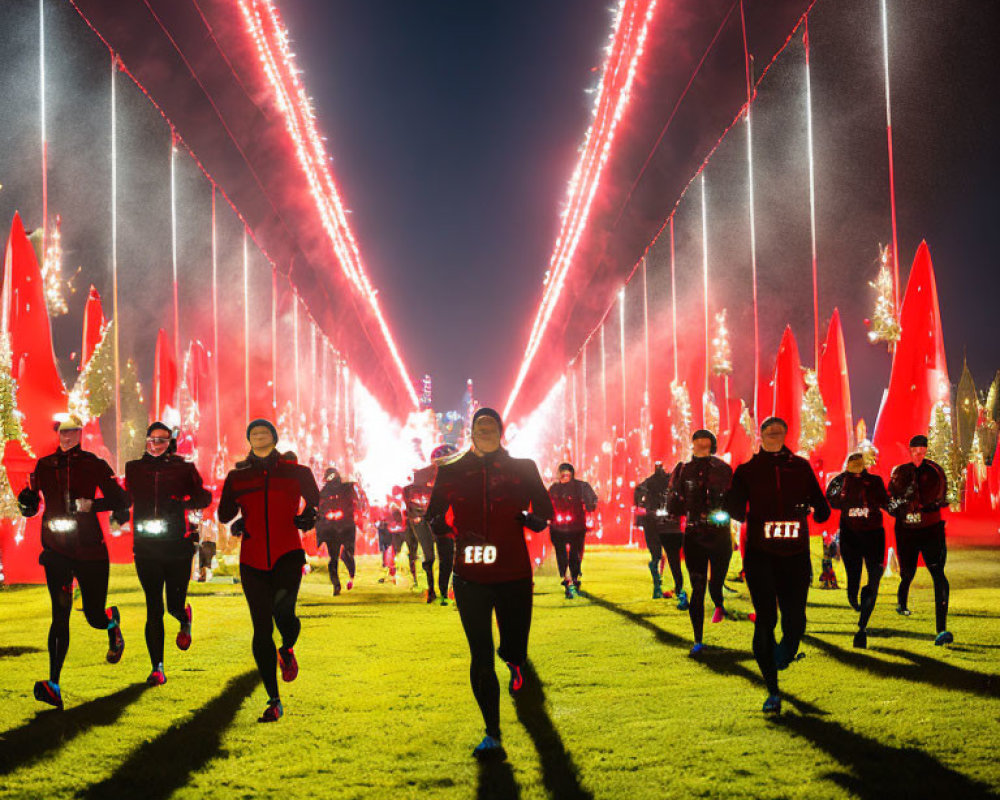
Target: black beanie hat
918,441
704,434
160,426
488,412
263,423
566,466
767,423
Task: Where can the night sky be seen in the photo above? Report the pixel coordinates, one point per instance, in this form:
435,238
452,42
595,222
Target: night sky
454,127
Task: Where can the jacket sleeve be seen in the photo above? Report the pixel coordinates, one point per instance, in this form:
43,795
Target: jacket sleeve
198,496
896,487
835,491
738,496
438,505
676,499
307,487
817,499
639,494
114,497
881,496
541,503
589,497
228,508
941,497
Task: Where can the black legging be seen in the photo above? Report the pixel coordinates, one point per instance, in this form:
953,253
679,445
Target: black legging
446,563
476,604
92,576
340,546
569,552
422,530
155,575
704,548
863,548
777,583
271,594
929,543
668,542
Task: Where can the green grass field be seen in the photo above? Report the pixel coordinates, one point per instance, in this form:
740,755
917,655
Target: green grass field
616,709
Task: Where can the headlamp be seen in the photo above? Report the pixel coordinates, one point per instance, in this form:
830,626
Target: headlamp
152,527
719,517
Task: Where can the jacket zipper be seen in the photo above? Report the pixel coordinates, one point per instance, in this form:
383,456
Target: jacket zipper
267,518
777,479
156,493
486,501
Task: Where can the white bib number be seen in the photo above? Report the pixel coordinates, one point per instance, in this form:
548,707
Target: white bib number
858,512
914,518
480,554
781,530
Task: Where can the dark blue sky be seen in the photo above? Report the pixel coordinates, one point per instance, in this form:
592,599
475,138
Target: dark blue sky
454,127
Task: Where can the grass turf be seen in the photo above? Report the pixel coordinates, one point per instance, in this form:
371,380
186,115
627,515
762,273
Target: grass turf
615,708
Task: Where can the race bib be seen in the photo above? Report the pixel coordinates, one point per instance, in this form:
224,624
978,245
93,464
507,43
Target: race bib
858,512
782,530
914,518
480,554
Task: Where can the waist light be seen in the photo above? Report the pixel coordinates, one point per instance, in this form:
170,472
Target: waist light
62,525
152,527
719,517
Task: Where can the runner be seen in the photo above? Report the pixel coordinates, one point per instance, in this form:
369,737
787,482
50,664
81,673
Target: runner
662,531
571,500
339,503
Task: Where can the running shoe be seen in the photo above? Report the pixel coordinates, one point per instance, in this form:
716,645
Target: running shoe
49,692
444,601
273,712
489,749
682,601
944,637
516,678
697,649
288,663
719,615
430,596
772,706
572,592
116,642
184,634
861,640
336,590
157,677
903,611
657,592
568,590
350,584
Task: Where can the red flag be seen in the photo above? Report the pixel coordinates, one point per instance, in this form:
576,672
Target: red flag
835,386
919,376
164,380
789,387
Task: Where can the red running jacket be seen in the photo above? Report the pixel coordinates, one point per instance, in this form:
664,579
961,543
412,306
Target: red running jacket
267,493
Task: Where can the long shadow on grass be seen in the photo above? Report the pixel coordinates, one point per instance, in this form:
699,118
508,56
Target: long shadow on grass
497,782
559,773
879,771
159,767
921,669
49,730
16,650
722,662
879,634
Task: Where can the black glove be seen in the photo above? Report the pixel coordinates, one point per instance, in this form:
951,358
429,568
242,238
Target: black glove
28,501
121,515
533,522
239,528
306,521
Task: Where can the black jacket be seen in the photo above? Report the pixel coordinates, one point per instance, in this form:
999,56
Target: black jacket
860,499
570,502
488,495
337,507
917,494
775,493
652,497
160,490
61,478
697,489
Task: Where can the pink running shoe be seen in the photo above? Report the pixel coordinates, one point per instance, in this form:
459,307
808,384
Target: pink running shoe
288,663
719,614
350,584
157,677
184,634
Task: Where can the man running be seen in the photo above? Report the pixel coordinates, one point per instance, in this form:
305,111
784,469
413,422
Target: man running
339,502
774,493
918,491
697,490
73,544
416,496
662,531
492,497
267,490
860,497
572,500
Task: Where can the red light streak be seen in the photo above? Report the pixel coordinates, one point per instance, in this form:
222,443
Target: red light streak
624,52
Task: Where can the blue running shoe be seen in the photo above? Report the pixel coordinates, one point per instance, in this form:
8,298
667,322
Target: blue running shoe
697,649
944,637
682,600
772,706
489,749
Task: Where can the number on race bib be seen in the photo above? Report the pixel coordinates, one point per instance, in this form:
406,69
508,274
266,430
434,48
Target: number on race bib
914,518
781,530
480,554
858,512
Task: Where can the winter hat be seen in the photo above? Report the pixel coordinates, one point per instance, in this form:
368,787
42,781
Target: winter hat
566,467
767,423
263,423
71,423
918,441
704,434
488,412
